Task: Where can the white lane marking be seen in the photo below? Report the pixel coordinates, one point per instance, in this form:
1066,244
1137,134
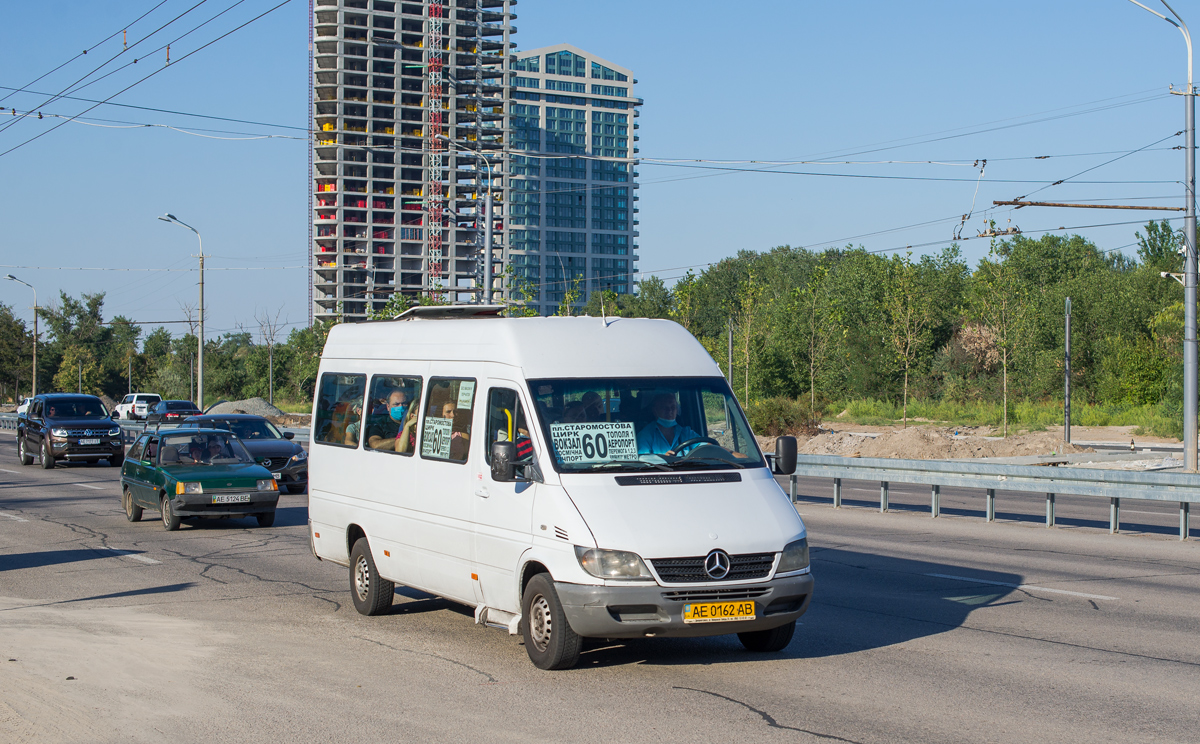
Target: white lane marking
133,555
94,488
1026,587
13,517
14,472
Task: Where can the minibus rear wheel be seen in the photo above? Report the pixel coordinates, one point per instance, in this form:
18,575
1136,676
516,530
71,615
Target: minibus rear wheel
549,639
775,639
372,594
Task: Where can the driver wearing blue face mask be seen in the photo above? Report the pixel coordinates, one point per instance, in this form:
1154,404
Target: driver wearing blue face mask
662,436
385,431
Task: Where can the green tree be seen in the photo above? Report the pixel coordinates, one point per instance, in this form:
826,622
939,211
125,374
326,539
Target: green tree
908,315
1000,302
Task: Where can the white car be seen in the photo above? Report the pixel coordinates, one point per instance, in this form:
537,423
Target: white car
566,477
136,405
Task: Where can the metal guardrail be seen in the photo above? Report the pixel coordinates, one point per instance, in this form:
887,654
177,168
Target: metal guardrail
1182,488
131,429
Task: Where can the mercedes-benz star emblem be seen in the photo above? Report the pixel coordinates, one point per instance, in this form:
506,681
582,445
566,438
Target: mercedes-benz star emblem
716,564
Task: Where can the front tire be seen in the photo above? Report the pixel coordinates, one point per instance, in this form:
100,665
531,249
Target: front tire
265,519
45,457
170,520
775,639
116,460
549,639
372,594
133,512
297,489
25,457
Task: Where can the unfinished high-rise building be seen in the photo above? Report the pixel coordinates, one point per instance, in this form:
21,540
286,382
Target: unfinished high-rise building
410,107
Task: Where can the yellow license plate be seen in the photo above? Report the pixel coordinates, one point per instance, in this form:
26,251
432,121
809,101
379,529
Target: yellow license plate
717,612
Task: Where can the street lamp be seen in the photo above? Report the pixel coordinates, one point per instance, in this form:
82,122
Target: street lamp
1189,267
200,341
487,233
10,277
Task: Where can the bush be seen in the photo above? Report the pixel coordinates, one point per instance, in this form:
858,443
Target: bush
778,416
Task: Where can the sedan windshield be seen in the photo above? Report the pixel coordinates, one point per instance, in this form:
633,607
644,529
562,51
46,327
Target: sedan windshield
202,449
634,424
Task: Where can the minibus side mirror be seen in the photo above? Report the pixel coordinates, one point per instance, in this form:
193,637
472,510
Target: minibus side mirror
503,454
785,456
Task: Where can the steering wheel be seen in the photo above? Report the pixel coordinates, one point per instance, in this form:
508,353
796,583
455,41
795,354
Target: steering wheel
692,443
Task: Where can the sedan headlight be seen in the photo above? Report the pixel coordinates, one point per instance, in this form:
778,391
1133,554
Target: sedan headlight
612,564
267,484
58,432
182,488
300,456
794,557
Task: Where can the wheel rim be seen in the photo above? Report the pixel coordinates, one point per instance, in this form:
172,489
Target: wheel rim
540,623
362,578
42,454
128,503
21,447
166,512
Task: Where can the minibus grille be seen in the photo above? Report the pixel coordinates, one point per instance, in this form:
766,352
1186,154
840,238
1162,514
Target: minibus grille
746,567
715,595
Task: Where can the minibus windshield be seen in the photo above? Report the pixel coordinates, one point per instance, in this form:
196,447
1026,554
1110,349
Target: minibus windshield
636,424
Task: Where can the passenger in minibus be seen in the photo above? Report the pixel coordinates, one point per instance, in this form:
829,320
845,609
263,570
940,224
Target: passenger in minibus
384,432
664,434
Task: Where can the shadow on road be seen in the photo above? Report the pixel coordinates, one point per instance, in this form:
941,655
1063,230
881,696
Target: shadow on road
167,589
15,561
860,602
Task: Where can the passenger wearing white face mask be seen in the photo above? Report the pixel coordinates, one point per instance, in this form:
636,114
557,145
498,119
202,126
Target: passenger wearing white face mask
662,436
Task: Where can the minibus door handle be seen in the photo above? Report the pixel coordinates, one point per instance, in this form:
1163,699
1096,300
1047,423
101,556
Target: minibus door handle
482,492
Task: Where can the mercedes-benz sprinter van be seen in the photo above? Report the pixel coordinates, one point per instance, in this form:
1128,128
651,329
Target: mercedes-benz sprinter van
566,477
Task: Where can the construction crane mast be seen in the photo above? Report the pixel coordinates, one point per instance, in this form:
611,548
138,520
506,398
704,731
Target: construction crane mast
433,143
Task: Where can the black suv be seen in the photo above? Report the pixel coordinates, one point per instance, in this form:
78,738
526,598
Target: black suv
272,448
65,426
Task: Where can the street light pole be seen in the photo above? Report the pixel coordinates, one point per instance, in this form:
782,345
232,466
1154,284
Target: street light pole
199,341
487,213
1190,365
35,332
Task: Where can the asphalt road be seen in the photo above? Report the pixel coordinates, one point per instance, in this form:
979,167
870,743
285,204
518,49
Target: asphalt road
944,630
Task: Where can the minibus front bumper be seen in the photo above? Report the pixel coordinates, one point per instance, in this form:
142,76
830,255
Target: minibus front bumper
654,611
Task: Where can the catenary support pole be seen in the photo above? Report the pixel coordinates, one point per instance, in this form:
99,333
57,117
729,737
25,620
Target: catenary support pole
935,501
1067,375
837,493
883,496
1114,515
991,505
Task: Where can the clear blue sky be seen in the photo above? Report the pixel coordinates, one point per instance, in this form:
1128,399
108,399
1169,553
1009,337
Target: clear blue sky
781,80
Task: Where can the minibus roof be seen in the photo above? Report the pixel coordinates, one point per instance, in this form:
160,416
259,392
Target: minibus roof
541,347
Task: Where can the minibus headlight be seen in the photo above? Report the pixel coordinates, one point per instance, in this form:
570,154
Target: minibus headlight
794,557
612,564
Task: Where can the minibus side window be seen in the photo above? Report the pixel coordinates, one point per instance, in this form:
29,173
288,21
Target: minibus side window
339,409
506,423
393,409
446,431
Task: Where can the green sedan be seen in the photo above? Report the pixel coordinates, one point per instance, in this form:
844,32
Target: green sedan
196,473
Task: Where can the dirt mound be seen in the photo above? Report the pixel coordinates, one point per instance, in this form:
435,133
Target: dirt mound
109,403
253,406
934,443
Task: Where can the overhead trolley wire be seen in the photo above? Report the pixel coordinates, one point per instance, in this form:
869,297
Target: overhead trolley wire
152,74
85,51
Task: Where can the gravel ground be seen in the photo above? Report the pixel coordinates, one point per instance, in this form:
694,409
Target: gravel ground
253,406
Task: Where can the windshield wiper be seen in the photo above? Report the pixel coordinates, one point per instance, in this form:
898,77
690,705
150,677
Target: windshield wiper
706,461
630,463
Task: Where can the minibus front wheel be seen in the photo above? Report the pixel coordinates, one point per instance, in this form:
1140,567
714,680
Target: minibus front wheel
372,594
775,639
549,639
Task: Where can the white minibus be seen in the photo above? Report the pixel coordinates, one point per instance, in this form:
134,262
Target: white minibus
566,477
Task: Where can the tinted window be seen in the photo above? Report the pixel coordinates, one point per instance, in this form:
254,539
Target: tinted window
339,403
180,405
446,431
250,428
135,452
75,408
393,410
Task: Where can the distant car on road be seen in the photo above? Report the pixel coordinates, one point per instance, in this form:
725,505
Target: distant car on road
60,426
274,449
196,473
172,411
136,406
